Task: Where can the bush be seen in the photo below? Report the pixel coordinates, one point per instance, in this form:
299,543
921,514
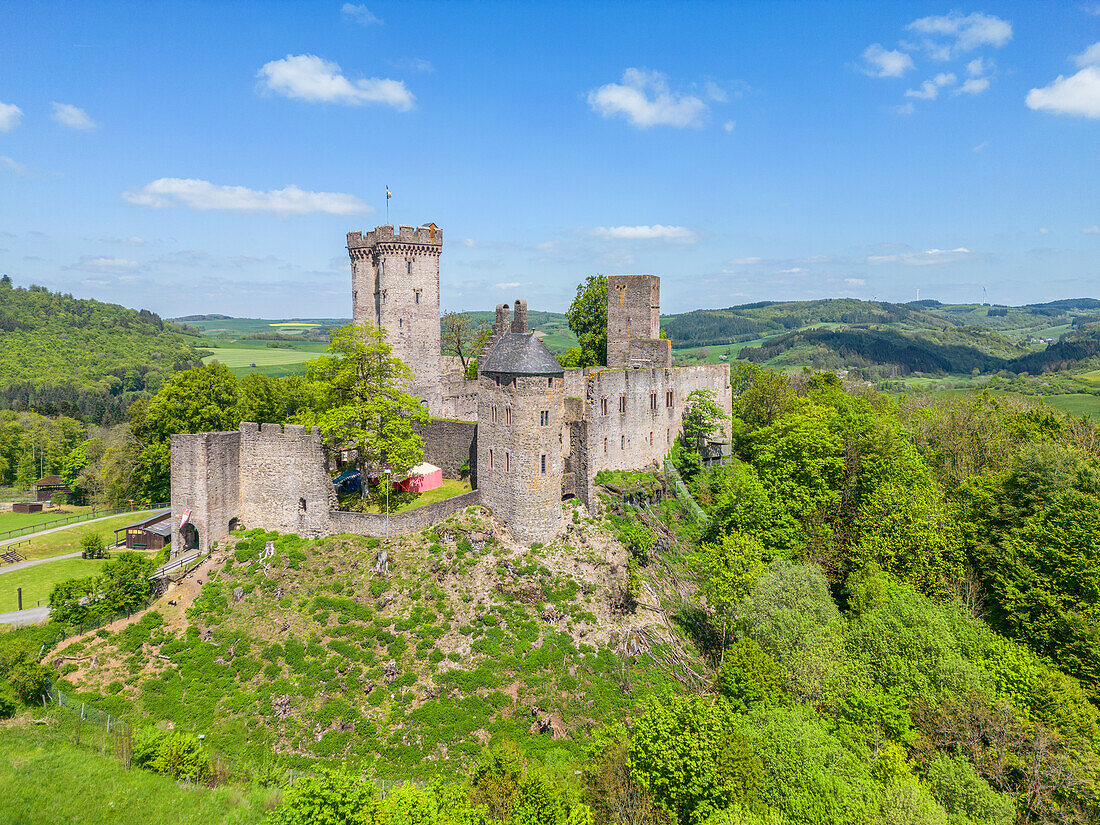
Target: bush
91,546
331,797
8,703
31,681
181,756
749,676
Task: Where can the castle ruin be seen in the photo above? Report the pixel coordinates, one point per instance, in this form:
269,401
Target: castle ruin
531,432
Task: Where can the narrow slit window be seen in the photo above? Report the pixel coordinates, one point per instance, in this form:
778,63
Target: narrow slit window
668,398
622,403
544,417
622,442
490,459
507,462
542,462
409,271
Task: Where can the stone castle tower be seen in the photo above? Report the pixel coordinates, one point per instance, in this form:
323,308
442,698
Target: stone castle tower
395,285
633,312
521,420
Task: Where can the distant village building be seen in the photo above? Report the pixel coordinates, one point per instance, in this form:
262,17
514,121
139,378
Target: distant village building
528,432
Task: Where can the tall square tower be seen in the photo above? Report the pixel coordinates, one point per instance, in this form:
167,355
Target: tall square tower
395,285
633,312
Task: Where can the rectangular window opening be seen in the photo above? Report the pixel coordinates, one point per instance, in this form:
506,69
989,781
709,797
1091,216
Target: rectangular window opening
542,460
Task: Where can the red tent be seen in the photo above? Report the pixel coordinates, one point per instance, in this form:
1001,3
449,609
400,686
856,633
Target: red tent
422,477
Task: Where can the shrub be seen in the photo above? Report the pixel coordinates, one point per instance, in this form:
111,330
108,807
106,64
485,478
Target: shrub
330,797
8,703
181,756
31,681
749,676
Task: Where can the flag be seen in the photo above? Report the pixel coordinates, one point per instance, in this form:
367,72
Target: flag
388,194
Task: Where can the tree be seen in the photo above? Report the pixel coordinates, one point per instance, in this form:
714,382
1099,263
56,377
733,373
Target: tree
126,581
702,416
587,317
463,337
334,797
198,400
91,545
362,402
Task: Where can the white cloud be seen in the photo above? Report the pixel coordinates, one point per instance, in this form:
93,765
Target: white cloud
1043,230
981,147
416,64
9,116
1091,230
1078,94
15,167
308,77
855,282
133,240
946,36
203,196
977,67
72,117
882,63
360,14
930,89
645,233
973,86
925,257
794,270
644,99
509,285
744,261
729,125
113,266
1089,57
905,109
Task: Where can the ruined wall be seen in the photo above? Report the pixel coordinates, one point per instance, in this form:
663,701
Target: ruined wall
395,284
511,448
283,481
410,521
633,311
448,444
459,398
649,352
641,419
205,472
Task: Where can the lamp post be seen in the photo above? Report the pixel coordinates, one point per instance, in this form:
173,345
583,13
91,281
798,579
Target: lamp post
388,472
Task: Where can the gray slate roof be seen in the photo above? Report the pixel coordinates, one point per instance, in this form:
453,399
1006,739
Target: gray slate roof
521,353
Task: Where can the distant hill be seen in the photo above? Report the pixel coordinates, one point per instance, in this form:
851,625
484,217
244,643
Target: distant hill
84,358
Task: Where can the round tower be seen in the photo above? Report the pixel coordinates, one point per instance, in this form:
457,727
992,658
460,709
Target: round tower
395,285
521,418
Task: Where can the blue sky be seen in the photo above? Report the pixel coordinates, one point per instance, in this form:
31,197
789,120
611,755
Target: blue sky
210,157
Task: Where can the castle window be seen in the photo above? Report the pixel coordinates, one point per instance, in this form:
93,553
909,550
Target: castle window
651,438
603,406
549,382
416,295
490,459
668,435
507,462
542,462
382,266
409,271
653,400
301,505
668,398
605,445
493,413
622,442
544,417
400,323
622,403
507,416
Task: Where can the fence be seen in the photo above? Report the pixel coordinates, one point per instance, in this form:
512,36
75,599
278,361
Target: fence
92,624
93,727
680,490
77,517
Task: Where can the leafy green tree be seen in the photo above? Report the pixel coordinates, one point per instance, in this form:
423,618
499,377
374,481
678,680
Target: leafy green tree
587,317
728,568
91,545
463,338
203,399
30,680
71,600
966,796
785,605
330,797
689,753
761,395
125,581
702,416
749,677
495,784
268,400
363,403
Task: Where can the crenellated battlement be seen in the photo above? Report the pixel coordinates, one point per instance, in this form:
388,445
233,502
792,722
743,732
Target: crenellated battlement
428,235
252,432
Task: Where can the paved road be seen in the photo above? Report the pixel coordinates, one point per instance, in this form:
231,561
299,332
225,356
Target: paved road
22,564
32,615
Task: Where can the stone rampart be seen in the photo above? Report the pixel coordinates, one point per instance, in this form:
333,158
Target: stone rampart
205,472
283,481
410,521
649,352
449,444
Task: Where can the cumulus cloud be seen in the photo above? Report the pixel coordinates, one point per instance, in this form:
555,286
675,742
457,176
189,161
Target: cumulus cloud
133,240
1089,57
878,62
509,285
949,35
72,116
102,265
9,116
1077,94
855,282
973,86
925,257
930,89
645,233
1091,230
15,167
644,99
309,77
360,14
203,196
729,125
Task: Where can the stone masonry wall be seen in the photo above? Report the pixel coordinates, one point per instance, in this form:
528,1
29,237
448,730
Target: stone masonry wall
284,484
410,521
205,470
449,444
649,352
633,311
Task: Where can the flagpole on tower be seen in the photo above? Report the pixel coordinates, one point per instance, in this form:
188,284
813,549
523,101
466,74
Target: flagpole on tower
388,196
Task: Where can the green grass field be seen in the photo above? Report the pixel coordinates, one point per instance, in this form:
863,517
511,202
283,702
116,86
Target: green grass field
1076,403
38,581
13,521
243,360
236,327
48,779
68,540
451,488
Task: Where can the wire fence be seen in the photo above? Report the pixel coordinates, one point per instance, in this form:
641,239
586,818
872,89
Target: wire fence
680,490
95,728
95,623
77,517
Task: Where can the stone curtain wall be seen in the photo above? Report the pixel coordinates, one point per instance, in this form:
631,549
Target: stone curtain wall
649,352
459,398
284,483
449,444
633,311
410,521
205,470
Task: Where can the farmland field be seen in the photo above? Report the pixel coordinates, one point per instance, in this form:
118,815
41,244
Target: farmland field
243,360
1076,403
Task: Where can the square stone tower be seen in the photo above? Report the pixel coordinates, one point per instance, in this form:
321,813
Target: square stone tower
395,285
633,312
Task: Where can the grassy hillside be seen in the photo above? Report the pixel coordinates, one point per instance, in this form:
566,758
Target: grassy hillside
83,358
467,639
